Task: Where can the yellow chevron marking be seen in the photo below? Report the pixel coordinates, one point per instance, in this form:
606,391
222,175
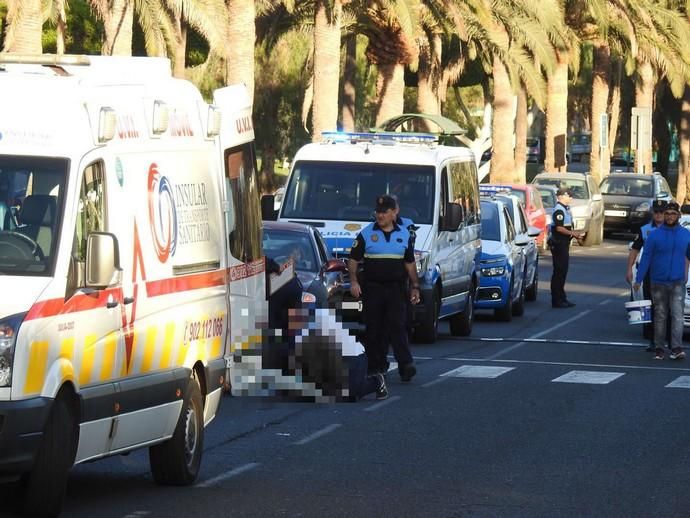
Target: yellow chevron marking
67,353
133,355
87,359
168,345
215,347
149,349
181,354
109,353
37,368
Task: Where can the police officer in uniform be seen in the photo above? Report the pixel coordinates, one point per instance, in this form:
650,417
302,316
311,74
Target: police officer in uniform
658,208
387,250
559,243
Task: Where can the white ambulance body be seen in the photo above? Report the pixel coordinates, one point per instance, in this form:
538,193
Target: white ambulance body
130,255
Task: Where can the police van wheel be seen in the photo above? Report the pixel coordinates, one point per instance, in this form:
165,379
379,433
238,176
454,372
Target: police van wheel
44,487
426,331
461,323
176,462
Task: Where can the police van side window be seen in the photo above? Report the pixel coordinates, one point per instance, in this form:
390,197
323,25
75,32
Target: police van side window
465,190
91,217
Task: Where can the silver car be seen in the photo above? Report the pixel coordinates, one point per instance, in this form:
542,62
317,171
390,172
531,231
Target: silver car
586,206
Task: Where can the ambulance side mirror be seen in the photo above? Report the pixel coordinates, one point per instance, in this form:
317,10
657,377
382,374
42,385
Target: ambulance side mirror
102,261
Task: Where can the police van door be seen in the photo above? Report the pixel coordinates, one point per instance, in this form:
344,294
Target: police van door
448,246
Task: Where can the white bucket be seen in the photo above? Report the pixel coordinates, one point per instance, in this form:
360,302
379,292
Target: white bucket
639,311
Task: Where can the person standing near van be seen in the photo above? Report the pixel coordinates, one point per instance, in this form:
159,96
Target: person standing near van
387,250
657,220
559,243
665,256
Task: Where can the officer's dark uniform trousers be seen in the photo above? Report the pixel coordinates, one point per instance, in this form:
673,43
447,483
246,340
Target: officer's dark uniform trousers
560,253
384,294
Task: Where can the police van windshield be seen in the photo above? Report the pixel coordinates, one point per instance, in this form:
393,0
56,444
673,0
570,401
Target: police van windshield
491,228
31,203
347,191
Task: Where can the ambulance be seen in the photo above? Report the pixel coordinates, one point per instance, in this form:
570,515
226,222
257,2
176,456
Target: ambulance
130,264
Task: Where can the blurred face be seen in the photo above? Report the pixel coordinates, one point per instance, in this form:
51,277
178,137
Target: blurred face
564,198
658,217
385,219
671,217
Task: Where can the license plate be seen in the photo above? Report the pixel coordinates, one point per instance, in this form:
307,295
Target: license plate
615,213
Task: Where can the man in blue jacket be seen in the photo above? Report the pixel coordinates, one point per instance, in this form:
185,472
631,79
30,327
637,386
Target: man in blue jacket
666,256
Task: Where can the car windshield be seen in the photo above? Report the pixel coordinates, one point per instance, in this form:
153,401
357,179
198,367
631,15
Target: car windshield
281,245
31,203
548,198
348,190
578,188
627,186
491,228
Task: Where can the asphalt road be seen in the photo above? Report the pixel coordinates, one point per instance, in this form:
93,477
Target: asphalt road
560,412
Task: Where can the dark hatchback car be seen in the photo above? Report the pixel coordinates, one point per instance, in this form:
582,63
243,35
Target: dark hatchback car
628,200
320,273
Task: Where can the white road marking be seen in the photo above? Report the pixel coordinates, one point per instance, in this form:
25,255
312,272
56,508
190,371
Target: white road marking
422,358
435,382
624,294
378,405
540,334
604,302
680,382
571,364
553,341
588,377
477,371
392,366
228,474
309,438
137,514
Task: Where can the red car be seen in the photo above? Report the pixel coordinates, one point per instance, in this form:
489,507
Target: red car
531,200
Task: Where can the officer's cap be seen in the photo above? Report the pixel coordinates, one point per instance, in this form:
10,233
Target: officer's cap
659,205
562,191
385,202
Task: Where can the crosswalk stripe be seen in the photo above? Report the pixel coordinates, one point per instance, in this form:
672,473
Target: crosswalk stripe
588,377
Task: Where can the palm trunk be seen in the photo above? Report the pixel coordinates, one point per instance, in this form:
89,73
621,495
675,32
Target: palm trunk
326,68
600,97
683,186
557,116
502,126
61,28
180,48
24,27
427,76
240,47
118,25
644,98
349,83
521,137
615,111
390,90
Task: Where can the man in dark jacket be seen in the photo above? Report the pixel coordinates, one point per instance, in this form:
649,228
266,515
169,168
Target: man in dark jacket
666,256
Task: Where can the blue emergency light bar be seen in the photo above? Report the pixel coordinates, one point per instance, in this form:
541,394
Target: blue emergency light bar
383,137
489,188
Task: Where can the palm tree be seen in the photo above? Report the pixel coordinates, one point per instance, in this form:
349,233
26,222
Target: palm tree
241,37
327,23
24,25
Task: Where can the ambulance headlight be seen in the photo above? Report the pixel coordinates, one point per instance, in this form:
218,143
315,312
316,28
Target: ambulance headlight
9,327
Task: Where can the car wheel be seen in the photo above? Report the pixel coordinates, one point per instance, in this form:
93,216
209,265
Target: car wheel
532,291
461,323
519,304
427,330
505,314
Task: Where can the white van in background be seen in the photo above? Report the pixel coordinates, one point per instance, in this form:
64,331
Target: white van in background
134,234
333,186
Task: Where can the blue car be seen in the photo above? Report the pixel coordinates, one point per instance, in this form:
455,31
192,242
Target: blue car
502,281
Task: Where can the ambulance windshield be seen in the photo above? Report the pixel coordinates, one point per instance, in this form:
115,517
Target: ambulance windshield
348,190
31,202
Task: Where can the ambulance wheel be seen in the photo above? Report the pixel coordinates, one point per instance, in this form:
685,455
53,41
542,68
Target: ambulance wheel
44,486
461,323
176,462
427,330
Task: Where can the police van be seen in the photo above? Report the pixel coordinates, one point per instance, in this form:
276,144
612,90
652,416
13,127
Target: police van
333,186
130,255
